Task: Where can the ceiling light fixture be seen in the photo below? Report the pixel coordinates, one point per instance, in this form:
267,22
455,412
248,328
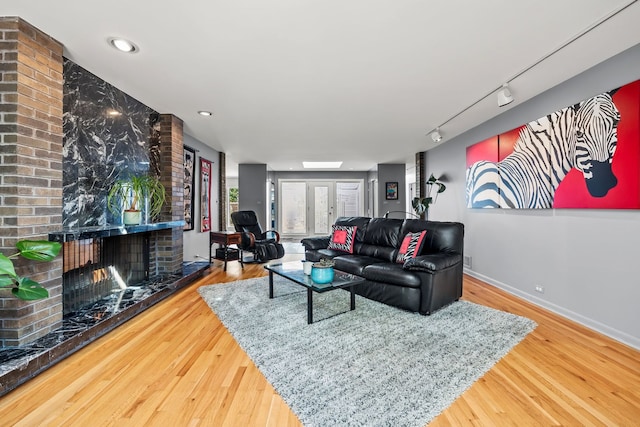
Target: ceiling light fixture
321,165
123,45
504,96
436,135
205,113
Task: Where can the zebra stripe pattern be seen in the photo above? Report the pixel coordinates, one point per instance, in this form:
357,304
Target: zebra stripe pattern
583,136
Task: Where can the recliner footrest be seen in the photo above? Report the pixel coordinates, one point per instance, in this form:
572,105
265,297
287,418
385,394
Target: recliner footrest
269,250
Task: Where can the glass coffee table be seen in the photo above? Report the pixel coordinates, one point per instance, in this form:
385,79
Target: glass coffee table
294,273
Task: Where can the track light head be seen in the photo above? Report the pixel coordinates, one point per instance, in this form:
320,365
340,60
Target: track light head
436,136
504,96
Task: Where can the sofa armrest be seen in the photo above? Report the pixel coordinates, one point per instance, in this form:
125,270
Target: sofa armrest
432,262
315,243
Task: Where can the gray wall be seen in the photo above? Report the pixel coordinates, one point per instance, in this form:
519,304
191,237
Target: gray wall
392,172
586,260
196,242
252,190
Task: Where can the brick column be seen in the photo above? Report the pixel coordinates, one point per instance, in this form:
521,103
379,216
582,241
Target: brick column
169,242
31,171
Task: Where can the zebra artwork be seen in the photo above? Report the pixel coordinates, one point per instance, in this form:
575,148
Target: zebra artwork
583,136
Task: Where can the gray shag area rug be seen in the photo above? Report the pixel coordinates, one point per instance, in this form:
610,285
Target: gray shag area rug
374,366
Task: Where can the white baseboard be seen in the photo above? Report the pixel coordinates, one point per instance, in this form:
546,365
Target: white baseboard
617,335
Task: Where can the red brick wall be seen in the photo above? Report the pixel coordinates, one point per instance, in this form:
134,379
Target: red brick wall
30,170
170,242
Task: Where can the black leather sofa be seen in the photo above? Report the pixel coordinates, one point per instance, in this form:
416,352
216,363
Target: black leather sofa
423,284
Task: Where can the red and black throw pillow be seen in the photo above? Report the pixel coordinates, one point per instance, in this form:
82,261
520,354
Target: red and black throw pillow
411,246
343,238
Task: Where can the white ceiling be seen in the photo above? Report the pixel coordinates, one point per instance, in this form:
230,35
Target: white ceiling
362,81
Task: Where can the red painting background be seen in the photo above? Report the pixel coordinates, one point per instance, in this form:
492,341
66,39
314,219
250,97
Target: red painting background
483,150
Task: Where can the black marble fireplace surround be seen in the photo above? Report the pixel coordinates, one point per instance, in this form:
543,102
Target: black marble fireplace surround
107,134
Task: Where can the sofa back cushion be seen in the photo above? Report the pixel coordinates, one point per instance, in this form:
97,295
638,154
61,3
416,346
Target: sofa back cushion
445,237
381,239
383,232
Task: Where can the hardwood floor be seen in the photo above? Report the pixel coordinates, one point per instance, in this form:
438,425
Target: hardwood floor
176,365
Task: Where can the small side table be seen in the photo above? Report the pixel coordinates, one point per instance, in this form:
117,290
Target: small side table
224,239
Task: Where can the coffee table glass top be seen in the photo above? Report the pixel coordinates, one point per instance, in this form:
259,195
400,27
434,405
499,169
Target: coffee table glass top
293,271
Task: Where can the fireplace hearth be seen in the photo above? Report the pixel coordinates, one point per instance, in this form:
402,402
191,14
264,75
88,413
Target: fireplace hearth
80,328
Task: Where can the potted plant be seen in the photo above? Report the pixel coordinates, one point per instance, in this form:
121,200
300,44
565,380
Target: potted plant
421,204
322,271
127,196
23,287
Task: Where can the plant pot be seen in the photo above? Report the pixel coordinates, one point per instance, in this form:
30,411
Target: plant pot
132,217
322,275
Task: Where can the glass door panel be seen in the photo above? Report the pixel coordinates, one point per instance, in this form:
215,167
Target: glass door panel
321,210
321,201
349,196
293,199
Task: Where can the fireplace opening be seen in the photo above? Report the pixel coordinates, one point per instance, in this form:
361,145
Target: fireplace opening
97,268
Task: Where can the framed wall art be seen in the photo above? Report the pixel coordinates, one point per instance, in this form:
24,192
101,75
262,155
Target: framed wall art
205,195
189,186
391,191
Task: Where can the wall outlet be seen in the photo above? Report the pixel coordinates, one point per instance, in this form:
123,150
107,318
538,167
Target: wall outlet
540,289
466,261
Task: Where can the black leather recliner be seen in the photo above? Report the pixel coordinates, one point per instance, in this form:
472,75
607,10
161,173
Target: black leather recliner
265,245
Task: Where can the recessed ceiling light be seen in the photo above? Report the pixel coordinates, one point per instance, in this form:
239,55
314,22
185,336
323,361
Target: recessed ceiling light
205,113
123,45
321,165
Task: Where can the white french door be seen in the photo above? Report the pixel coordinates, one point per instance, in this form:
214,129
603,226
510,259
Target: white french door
310,208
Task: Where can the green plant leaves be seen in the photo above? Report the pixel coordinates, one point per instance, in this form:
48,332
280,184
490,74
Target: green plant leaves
23,287
420,205
6,268
38,250
133,191
435,181
29,290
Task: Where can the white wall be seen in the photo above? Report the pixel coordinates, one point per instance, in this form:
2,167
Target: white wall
196,242
586,260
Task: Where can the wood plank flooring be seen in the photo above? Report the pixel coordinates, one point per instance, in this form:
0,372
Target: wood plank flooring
176,365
